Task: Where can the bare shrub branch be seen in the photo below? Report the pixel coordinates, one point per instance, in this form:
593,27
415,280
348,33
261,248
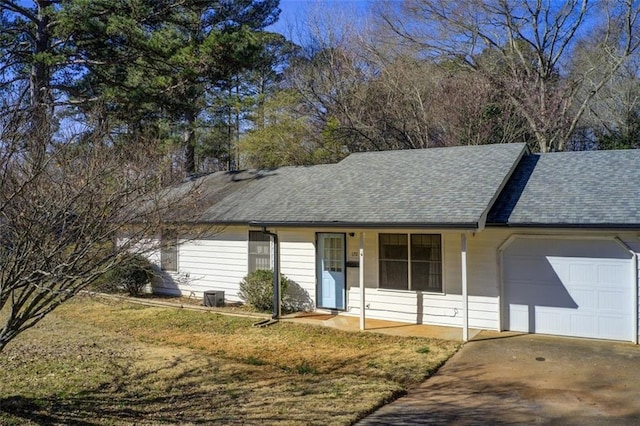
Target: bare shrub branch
71,210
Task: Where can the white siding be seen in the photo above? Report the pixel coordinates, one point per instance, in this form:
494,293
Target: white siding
298,257
426,308
433,309
483,280
221,261
217,262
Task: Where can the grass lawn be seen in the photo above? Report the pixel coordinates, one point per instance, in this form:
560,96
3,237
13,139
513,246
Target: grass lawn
99,361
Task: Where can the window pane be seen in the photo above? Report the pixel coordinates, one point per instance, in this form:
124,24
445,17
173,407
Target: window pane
169,251
425,247
259,251
426,262
393,274
394,268
426,276
393,246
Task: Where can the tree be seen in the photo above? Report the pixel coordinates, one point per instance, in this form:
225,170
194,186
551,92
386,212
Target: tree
365,91
29,65
138,61
524,48
613,118
283,138
62,212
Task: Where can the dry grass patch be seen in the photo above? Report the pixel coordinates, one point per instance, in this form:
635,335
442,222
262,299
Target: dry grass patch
99,362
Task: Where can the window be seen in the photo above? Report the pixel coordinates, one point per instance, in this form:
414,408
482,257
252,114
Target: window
426,263
169,251
259,251
411,262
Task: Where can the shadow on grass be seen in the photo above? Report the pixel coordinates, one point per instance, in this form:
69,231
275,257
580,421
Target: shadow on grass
168,394
193,389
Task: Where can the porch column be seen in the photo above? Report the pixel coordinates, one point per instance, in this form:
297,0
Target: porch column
465,296
361,274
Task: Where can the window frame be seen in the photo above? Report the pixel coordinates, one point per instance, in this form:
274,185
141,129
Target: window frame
409,263
264,238
169,247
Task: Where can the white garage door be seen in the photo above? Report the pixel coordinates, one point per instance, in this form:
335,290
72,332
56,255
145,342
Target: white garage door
581,288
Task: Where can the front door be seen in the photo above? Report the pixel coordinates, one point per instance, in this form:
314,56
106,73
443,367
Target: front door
331,271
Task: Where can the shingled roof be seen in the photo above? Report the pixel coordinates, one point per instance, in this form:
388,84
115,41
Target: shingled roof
572,189
437,187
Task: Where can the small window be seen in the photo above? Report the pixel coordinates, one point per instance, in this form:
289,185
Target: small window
259,251
410,262
169,251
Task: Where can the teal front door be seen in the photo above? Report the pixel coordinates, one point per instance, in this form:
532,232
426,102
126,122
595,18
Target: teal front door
331,271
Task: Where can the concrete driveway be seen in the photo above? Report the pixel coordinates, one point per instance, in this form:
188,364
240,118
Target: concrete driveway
526,379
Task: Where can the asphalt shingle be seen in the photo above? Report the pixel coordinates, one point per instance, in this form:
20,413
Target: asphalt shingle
432,187
593,188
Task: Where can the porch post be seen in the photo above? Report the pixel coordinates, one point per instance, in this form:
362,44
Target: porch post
361,276
465,296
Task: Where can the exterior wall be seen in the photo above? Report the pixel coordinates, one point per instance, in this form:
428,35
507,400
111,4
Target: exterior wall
298,259
444,308
219,262
215,262
483,279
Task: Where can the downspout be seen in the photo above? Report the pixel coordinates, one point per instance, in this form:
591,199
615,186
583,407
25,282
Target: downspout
276,274
465,293
363,304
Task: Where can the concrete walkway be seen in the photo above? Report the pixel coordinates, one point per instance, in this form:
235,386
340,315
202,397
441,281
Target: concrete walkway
526,379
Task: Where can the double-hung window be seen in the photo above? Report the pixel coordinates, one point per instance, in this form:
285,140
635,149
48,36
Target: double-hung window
169,251
410,262
259,251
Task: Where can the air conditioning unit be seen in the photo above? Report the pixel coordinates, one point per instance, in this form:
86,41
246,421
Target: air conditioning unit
214,298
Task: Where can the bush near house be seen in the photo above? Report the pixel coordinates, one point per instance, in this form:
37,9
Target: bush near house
131,275
256,289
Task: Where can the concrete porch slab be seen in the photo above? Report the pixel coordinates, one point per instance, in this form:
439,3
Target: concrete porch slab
350,323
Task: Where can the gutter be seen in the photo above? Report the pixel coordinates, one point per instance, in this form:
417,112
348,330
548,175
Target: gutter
601,226
359,225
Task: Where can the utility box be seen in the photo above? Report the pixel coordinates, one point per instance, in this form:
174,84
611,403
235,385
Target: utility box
214,298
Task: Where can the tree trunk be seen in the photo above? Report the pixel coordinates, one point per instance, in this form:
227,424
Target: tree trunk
41,102
188,142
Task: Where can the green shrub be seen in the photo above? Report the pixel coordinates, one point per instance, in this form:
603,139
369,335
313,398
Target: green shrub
131,275
256,289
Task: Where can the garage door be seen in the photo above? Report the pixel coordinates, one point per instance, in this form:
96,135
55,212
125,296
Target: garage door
581,288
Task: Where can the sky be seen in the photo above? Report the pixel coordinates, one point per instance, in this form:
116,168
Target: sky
294,12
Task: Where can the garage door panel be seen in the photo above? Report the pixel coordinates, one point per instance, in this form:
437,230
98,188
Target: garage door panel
611,301
529,269
612,274
549,321
579,272
606,249
579,288
586,299
583,325
614,326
